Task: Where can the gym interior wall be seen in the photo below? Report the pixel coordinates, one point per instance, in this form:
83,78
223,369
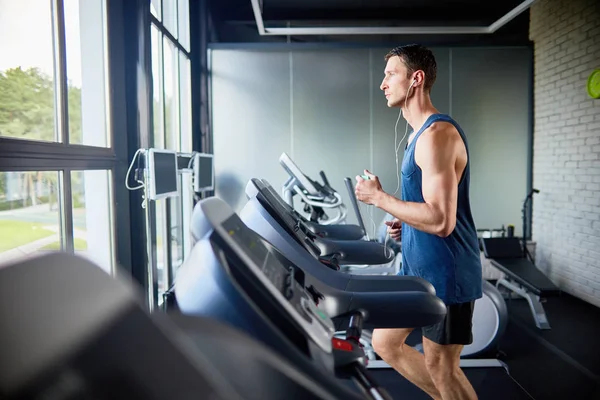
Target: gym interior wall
323,106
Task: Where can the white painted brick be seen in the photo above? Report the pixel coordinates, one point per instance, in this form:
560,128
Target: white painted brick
566,164
595,126
585,149
591,156
575,157
593,171
583,118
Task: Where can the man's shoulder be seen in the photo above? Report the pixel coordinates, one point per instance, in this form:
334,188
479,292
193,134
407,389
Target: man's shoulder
442,127
440,133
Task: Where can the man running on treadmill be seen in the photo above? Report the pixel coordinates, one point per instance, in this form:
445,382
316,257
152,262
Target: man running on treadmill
433,219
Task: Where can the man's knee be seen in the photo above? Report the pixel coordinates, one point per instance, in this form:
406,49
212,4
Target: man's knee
389,342
436,364
442,362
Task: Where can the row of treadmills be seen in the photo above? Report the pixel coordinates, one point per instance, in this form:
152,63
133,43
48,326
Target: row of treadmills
247,322
508,254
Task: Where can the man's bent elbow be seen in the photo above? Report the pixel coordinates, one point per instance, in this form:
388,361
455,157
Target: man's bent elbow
445,229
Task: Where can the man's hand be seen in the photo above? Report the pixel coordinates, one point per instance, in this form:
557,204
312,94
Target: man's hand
395,229
368,190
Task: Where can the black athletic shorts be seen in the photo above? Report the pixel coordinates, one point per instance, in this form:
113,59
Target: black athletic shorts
455,328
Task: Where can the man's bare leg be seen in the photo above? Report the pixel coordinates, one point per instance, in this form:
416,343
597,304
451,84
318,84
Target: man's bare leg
443,364
390,345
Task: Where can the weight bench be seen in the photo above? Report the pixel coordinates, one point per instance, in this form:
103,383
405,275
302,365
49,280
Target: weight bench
521,275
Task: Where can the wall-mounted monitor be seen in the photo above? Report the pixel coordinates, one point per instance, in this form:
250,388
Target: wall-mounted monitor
162,174
204,172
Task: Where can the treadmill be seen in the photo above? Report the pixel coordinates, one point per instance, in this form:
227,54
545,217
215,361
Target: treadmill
316,197
212,283
320,263
332,251
300,182
265,213
235,276
71,331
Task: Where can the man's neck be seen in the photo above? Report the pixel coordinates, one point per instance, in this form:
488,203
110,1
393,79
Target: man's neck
419,109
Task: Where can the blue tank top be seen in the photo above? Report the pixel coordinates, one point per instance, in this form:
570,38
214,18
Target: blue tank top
451,264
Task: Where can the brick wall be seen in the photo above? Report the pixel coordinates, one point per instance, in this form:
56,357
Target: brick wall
566,163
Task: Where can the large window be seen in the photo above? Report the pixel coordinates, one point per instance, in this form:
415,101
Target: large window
171,75
27,79
172,120
56,155
29,213
37,84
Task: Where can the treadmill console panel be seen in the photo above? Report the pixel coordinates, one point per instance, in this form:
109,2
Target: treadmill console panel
279,278
293,171
297,228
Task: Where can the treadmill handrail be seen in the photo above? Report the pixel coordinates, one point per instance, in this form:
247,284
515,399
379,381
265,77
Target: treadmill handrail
316,200
388,309
354,202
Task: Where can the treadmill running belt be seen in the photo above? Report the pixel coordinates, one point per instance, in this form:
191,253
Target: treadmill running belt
489,384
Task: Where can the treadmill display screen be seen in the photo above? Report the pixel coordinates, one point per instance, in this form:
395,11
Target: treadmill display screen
292,169
257,250
287,219
282,210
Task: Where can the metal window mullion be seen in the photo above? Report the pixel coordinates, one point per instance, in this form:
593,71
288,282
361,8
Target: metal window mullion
163,92
110,143
179,102
50,165
161,28
11,146
167,242
151,247
60,72
112,221
176,28
176,99
206,126
16,154
66,210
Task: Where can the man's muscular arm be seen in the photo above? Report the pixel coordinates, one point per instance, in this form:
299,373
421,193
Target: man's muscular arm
436,154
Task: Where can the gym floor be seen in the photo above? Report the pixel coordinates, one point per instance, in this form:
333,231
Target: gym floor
560,363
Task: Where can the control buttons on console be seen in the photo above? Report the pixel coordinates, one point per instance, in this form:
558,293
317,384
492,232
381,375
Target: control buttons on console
289,283
289,293
312,309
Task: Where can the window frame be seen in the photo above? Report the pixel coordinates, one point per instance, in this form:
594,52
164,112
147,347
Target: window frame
164,36
35,155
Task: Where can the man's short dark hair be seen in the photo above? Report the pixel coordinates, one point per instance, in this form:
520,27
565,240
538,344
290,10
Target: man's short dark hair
417,57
